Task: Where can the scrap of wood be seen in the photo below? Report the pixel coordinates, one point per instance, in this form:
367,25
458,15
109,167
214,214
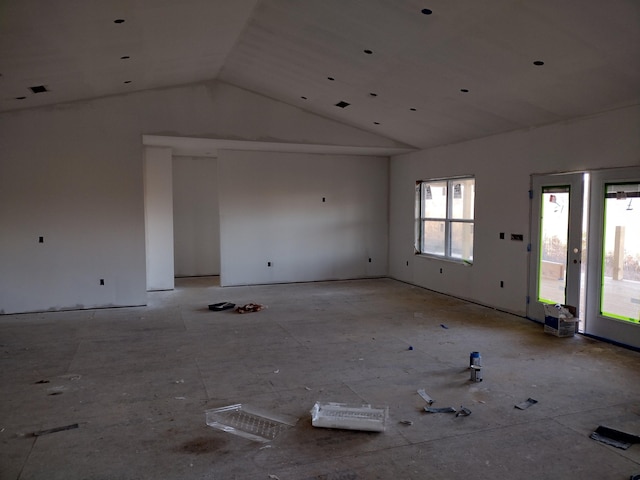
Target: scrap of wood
54,430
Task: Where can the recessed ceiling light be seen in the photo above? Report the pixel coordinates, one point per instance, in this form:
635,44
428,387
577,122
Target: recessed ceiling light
330,78
342,104
538,63
376,123
373,94
119,20
426,11
368,52
412,109
464,90
38,89
304,98
20,98
127,81
125,57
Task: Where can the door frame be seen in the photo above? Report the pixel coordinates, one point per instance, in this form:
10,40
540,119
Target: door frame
575,182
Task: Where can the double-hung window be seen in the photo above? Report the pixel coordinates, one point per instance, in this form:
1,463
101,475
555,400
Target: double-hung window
444,213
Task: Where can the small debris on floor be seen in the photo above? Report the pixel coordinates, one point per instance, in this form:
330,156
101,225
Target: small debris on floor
410,347
526,404
444,326
405,422
463,412
250,307
218,307
42,381
615,438
440,410
54,430
424,395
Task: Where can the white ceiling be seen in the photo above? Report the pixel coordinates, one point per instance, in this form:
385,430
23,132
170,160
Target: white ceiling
287,49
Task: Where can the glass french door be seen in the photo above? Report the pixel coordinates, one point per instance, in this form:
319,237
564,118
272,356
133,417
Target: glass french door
613,287
557,245
604,285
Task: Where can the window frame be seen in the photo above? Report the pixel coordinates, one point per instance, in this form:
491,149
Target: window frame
449,220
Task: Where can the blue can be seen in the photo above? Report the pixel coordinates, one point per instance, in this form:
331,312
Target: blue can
475,359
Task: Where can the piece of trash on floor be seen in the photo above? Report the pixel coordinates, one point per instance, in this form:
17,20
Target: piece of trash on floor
526,404
615,438
349,417
218,307
276,371
54,430
180,398
405,422
179,381
463,412
307,388
410,347
249,422
440,410
444,326
250,307
426,397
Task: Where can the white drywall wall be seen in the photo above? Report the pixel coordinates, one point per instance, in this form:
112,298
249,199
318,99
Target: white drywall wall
272,210
196,221
502,165
158,217
73,174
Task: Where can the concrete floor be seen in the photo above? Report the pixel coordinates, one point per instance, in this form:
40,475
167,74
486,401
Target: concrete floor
137,381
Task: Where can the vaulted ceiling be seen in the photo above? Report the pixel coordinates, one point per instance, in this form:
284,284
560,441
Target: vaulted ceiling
424,73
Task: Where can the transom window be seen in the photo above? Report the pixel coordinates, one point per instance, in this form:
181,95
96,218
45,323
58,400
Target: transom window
444,212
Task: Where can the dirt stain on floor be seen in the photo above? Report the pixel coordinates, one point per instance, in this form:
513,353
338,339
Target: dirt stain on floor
202,445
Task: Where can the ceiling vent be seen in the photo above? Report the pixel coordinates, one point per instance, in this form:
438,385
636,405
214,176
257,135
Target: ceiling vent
38,89
342,104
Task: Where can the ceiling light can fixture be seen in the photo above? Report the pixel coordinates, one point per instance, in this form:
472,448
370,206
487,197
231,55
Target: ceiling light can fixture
125,57
119,20
342,104
127,81
426,11
368,52
464,90
20,98
330,78
303,97
413,109
376,123
538,63
373,94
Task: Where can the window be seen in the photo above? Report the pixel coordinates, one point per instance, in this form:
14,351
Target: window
444,212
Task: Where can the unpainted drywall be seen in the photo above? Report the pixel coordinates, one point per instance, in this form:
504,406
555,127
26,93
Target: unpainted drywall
502,166
158,216
73,174
196,220
288,217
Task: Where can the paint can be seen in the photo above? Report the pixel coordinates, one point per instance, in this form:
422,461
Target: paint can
476,373
475,359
